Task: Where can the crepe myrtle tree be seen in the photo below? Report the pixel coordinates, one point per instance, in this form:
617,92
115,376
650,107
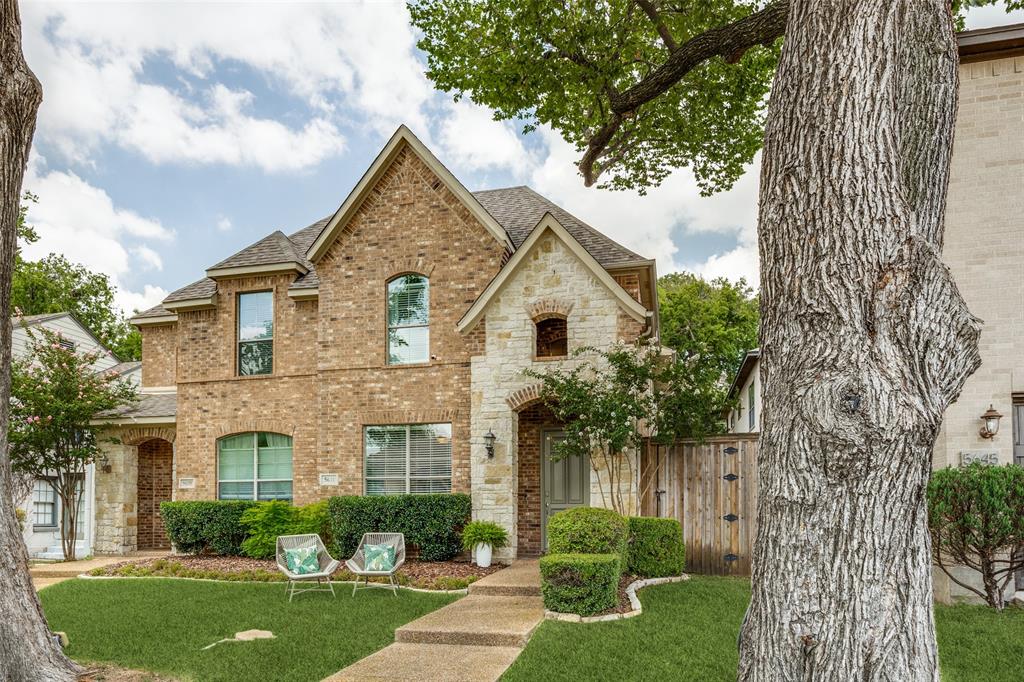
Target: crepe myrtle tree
609,401
865,339
56,392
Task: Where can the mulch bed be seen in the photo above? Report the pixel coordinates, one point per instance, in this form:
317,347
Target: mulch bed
623,606
423,574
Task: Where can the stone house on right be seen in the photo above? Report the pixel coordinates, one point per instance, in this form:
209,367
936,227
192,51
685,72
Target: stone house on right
984,248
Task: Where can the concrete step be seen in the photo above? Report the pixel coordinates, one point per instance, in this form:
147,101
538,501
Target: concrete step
521,579
403,662
477,620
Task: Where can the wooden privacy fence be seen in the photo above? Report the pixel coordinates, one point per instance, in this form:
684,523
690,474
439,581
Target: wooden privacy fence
711,488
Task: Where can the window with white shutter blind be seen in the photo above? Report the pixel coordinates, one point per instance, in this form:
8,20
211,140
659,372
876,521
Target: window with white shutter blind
408,320
254,466
414,458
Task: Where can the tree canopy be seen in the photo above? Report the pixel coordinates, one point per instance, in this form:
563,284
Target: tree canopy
54,284
709,324
639,87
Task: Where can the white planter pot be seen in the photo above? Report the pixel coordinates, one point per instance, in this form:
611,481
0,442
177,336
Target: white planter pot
483,554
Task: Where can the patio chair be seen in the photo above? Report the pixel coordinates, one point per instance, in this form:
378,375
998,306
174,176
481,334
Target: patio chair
328,565
357,564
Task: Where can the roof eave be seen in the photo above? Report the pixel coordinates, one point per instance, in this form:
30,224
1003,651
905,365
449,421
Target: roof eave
265,269
307,294
186,304
153,319
134,421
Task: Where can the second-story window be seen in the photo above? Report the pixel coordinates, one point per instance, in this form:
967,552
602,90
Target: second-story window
408,320
256,333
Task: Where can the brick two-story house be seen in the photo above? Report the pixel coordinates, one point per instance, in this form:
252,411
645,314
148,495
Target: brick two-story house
372,352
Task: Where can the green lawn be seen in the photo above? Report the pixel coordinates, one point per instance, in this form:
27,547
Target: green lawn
162,625
688,631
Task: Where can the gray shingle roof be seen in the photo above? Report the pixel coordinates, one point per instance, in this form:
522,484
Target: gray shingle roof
519,209
123,368
148,405
155,311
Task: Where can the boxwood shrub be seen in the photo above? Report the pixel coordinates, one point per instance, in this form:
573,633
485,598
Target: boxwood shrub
583,584
430,523
587,530
656,548
206,527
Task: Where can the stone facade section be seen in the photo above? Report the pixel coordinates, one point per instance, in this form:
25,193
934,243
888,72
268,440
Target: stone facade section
549,272
116,501
159,355
548,307
984,249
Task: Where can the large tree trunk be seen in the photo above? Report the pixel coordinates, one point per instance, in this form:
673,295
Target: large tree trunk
865,341
27,651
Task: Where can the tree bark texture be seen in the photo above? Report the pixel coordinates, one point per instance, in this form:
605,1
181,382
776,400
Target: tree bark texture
865,341
27,651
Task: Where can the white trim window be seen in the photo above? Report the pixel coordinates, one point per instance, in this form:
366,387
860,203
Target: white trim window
44,504
409,458
254,466
256,333
408,320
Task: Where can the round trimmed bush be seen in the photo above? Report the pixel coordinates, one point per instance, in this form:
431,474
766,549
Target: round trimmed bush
583,584
587,530
656,548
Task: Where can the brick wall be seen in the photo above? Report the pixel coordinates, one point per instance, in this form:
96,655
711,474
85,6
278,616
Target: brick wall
155,484
159,354
984,248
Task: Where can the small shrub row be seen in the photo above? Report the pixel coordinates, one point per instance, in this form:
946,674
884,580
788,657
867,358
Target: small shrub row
173,569
203,527
430,523
583,584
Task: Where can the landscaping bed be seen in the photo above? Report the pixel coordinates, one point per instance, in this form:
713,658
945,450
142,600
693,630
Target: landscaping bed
426,575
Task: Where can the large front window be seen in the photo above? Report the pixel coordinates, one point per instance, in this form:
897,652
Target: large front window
414,458
256,333
408,320
254,466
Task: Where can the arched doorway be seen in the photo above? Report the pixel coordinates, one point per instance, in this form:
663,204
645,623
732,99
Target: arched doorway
156,458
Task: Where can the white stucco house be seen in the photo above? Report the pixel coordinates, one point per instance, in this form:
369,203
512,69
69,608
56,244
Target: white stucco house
43,507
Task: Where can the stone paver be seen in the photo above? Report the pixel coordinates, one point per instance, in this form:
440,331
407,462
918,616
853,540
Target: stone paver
421,662
474,639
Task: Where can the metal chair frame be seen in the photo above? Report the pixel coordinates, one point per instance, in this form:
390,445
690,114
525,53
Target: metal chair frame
357,563
328,565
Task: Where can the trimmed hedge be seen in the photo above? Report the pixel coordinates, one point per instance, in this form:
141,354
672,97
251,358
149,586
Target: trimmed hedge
583,584
432,523
587,530
656,548
206,527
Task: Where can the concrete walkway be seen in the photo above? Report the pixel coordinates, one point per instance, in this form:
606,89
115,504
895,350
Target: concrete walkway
49,573
474,639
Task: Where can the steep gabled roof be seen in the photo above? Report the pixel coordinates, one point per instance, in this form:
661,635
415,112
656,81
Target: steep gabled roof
548,223
402,138
519,209
747,365
273,251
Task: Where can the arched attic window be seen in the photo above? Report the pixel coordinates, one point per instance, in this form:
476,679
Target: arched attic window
552,336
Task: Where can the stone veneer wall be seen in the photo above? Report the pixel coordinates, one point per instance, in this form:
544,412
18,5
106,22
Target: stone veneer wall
550,271
984,247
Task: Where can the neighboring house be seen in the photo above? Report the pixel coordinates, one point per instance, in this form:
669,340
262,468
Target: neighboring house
43,507
745,395
373,352
984,248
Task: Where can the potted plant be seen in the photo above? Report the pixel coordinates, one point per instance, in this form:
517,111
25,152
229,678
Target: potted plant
482,537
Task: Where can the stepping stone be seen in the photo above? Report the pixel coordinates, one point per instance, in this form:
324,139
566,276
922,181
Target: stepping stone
419,662
477,620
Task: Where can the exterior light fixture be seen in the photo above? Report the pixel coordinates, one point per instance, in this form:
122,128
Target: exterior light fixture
105,463
489,439
991,419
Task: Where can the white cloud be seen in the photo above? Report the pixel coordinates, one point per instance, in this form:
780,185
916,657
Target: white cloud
347,62
992,15
473,141
224,224
82,223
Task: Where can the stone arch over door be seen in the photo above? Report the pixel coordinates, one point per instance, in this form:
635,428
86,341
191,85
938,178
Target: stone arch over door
155,485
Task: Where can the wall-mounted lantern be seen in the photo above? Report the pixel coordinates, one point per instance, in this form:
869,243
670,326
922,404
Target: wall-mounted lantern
489,439
991,419
105,463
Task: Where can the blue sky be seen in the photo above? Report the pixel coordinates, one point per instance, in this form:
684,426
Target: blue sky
172,135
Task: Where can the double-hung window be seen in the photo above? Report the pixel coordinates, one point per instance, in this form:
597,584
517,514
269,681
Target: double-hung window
44,504
254,466
256,333
751,413
408,320
413,458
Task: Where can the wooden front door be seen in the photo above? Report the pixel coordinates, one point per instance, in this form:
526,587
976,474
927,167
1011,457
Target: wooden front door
565,483
155,481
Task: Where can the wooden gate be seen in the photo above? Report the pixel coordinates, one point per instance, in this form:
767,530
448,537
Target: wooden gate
711,488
